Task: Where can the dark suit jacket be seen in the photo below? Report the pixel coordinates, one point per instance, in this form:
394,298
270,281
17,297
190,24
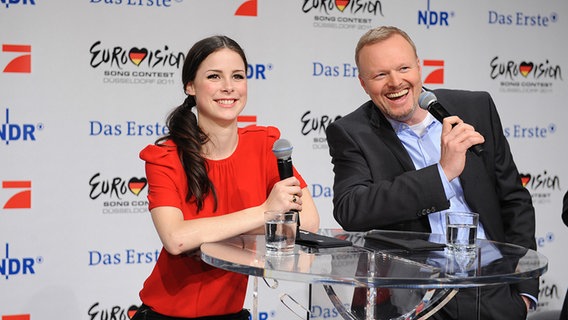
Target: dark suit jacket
376,185
565,209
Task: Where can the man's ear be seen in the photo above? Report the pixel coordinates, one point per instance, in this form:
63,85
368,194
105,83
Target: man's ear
362,82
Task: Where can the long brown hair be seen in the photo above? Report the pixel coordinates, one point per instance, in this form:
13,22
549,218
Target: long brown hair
182,122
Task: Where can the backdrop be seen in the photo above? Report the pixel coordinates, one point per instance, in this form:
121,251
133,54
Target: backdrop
86,84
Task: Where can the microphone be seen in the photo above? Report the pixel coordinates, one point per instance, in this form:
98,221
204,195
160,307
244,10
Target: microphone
282,149
429,102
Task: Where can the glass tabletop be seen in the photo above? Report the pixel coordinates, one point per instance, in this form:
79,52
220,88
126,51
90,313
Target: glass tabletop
372,263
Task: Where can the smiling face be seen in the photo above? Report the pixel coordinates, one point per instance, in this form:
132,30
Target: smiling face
390,74
219,87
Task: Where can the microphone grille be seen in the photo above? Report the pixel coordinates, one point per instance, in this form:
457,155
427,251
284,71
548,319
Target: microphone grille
282,149
426,98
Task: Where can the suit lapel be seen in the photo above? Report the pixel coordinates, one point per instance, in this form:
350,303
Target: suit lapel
383,128
475,193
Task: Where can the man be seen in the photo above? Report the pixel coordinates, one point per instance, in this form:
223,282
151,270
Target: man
564,311
565,209
396,167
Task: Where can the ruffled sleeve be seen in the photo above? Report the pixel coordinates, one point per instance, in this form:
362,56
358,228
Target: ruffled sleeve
163,171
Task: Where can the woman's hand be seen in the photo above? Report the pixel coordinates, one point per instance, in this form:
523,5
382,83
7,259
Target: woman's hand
286,195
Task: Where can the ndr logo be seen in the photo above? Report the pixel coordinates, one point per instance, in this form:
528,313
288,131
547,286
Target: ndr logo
258,71
8,3
433,18
14,266
12,132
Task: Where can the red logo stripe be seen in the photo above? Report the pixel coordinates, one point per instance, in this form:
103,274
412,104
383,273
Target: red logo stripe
433,63
246,118
16,184
16,317
16,48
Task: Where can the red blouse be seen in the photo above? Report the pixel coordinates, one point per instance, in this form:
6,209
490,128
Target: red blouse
183,285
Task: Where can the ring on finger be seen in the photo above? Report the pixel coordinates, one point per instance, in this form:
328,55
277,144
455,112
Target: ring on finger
294,199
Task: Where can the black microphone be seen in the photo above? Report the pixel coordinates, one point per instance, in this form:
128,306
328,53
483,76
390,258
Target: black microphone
429,102
282,149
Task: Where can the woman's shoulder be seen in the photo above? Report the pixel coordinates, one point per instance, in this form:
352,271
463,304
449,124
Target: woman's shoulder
257,139
157,153
257,132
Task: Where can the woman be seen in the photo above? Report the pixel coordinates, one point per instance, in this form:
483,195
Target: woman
210,180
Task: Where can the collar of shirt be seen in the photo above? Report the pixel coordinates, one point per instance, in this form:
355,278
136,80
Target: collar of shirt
419,129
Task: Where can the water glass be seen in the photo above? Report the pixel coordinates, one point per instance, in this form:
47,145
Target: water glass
461,231
280,231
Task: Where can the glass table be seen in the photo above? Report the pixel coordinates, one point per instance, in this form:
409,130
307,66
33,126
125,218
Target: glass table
421,281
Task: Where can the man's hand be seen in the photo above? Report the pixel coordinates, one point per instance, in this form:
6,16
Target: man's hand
527,302
457,137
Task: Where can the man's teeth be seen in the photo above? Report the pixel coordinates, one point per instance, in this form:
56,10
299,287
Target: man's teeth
397,94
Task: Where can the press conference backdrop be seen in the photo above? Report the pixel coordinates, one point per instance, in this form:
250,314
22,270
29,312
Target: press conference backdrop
86,84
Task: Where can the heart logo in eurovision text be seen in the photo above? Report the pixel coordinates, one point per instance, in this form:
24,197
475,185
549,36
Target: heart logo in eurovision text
341,4
132,311
525,178
137,185
525,68
137,55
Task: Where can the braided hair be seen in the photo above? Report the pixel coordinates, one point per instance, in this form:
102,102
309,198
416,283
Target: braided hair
182,122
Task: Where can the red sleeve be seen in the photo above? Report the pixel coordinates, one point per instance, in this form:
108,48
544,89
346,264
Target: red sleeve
163,171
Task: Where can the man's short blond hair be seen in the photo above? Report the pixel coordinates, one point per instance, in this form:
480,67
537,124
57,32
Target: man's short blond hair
380,34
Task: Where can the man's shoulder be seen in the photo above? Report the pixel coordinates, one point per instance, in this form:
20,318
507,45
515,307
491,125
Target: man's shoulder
459,93
463,99
356,115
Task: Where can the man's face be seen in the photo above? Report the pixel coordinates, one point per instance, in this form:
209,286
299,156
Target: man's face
390,74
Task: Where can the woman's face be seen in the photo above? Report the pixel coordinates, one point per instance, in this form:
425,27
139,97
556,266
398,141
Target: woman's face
220,87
